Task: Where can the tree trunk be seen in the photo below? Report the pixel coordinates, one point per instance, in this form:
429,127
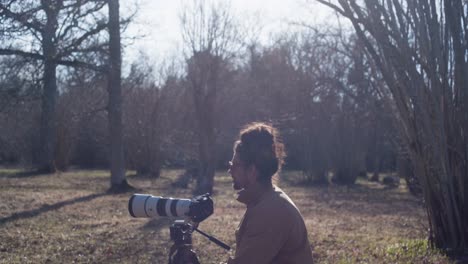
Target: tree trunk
48,119
49,95
405,171
376,168
207,161
117,167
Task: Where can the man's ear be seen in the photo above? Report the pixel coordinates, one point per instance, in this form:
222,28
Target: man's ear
252,173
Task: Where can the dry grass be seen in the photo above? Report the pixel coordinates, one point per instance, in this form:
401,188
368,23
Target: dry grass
70,218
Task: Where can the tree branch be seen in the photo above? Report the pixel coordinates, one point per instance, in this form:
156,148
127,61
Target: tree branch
20,18
76,15
21,53
72,63
77,42
82,64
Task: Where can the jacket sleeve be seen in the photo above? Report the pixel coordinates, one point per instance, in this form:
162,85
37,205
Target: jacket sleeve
264,236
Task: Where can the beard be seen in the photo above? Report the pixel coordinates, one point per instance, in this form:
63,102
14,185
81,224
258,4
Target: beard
236,186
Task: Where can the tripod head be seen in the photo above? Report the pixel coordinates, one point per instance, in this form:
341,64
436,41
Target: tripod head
181,251
181,232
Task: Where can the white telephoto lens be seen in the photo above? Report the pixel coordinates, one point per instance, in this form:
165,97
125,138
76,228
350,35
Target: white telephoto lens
146,205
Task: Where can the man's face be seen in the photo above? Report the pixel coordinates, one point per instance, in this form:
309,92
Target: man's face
238,173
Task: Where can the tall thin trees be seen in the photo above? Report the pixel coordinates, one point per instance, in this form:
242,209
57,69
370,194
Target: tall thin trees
420,47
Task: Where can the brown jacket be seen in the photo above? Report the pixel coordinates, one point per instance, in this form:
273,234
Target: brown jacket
272,230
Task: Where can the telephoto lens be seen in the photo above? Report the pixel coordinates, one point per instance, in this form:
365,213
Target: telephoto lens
146,205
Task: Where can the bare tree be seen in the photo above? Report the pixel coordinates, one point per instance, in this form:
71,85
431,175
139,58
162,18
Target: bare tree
51,31
209,34
420,48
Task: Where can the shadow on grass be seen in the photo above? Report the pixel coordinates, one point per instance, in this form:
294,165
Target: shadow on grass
49,207
22,174
156,224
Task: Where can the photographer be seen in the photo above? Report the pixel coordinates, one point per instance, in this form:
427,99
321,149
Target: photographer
272,229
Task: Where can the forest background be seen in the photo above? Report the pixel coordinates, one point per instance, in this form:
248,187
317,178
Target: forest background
382,89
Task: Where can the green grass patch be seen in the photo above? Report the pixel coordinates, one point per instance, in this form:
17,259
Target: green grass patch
9,171
406,251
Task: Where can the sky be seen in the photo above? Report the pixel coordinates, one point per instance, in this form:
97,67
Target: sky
157,25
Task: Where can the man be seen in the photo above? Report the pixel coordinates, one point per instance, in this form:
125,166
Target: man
272,229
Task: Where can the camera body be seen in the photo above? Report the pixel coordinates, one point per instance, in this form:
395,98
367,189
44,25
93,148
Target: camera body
196,209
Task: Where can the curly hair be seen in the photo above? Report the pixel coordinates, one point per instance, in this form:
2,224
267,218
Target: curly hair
259,144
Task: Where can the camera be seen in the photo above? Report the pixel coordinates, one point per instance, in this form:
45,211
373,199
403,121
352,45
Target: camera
196,209
192,211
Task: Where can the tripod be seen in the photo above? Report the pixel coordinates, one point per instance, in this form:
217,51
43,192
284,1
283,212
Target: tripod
181,251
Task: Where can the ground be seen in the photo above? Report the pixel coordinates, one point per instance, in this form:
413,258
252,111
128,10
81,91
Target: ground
69,217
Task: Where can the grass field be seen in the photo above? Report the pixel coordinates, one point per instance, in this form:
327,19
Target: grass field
69,218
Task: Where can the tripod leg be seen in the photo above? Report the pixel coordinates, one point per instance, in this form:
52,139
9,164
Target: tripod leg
183,255
194,258
172,251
